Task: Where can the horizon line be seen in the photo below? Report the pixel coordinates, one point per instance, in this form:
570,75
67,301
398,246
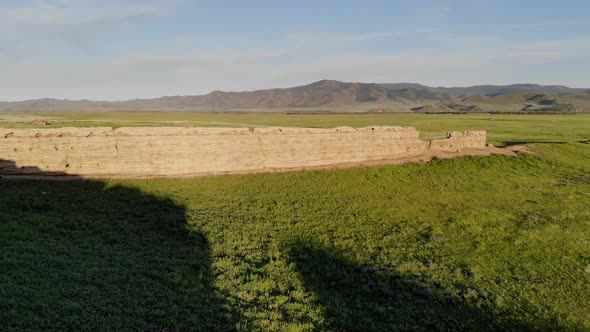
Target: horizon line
284,88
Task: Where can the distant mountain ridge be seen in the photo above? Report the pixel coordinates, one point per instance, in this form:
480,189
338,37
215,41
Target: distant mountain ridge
325,94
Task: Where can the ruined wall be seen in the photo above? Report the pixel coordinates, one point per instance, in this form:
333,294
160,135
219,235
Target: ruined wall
162,151
457,141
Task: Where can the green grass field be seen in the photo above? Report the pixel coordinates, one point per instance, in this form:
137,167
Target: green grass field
473,244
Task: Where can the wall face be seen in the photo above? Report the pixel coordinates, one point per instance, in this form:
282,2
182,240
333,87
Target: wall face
152,152
458,141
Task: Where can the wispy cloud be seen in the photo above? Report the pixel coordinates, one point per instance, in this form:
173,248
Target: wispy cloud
438,12
325,38
149,75
79,13
83,12
450,62
84,49
32,27
546,24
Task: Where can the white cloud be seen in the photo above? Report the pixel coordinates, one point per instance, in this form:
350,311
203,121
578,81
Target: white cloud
200,72
78,13
438,12
322,39
446,67
546,24
38,37
44,26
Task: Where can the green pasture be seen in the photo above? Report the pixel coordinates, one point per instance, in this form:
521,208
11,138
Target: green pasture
467,244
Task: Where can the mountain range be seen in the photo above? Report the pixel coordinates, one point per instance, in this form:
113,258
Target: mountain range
329,95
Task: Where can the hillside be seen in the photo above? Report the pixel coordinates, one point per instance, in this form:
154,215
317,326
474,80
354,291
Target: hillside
325,94
329,95
319,94
487,90
532,102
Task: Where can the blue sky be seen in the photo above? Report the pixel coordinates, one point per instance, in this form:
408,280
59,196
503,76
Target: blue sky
112,50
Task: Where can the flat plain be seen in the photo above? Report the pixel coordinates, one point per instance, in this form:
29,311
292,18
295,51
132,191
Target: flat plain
473,243
503,129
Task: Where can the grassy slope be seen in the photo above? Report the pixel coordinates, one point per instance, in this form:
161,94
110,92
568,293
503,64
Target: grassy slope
514,102
464,244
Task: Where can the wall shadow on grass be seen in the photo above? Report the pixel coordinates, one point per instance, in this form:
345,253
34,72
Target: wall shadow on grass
82,255
524,142
366,298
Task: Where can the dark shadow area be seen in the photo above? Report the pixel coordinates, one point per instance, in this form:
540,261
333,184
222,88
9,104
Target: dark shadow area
368,298
83,255
523,142
9,170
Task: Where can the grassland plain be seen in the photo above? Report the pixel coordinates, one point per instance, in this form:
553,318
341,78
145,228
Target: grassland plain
502,128
495,243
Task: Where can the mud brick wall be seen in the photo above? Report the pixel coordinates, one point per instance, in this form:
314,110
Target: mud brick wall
458,141
172,151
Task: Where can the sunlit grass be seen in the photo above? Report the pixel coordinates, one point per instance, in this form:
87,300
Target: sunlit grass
474,243
463,244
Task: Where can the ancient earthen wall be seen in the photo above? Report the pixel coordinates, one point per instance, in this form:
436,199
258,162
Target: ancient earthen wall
162,151
457,141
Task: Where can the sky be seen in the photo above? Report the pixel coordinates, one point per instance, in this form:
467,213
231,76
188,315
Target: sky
125,49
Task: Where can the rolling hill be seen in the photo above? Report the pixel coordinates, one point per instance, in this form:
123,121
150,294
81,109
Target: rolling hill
329,95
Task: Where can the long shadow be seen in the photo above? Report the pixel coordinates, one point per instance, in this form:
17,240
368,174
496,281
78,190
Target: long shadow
10,170
83,255
522,142
367,298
